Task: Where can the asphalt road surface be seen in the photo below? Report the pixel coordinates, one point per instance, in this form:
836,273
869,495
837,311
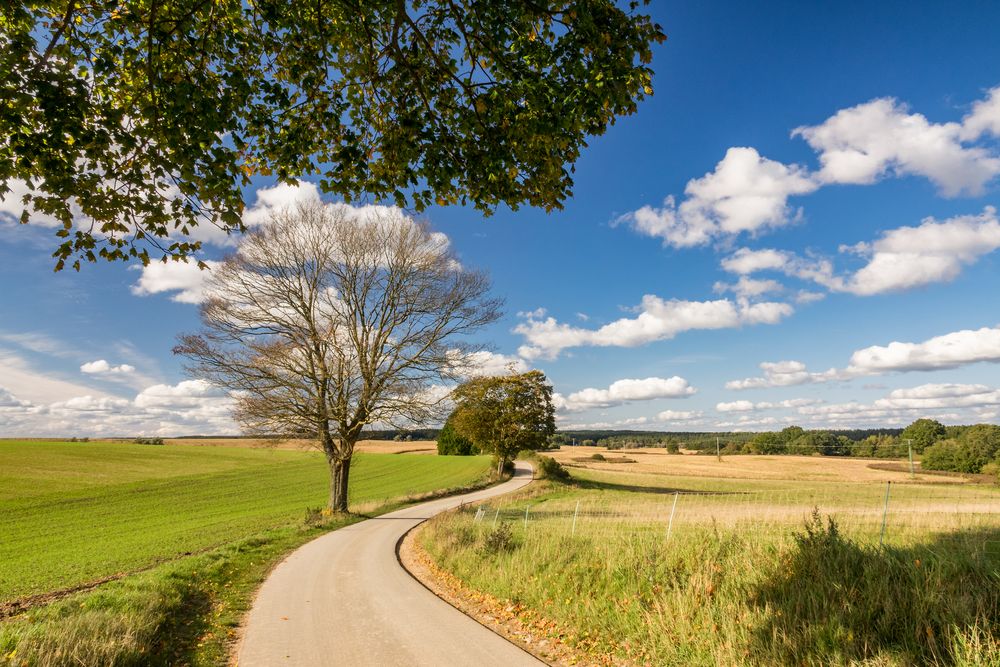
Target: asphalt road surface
344,599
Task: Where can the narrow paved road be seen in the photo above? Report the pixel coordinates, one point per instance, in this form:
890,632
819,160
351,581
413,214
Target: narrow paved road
344,599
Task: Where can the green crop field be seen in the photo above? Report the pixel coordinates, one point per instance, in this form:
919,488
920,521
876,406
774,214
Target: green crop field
72,513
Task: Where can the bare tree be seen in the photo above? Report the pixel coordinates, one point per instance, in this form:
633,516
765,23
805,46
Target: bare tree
329,319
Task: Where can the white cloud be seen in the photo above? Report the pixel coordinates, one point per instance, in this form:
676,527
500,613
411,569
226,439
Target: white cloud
784,374
984,119
657,319
902,258
625,391
746,261
189,407
488,364
184,279
933,252
749,406
278,198
678,415
950,350
746,287
880,138
102,367
745,193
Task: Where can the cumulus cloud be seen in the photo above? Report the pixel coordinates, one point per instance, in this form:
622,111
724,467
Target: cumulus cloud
183,280
902,258
744,193
750,406
932,252
882,138
947,402
747,287
748,193
625,391
282,196
951,350
657,319
487,364
784,374
191,406
102,367
984,118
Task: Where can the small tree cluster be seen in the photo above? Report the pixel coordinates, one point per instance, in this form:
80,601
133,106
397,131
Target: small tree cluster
973,451
505,414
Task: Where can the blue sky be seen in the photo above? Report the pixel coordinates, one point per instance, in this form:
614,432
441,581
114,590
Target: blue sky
832,168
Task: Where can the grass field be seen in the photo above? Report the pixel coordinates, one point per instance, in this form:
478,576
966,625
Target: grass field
734,576
76,512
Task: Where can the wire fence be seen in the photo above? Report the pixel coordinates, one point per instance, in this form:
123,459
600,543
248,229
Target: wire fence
877,513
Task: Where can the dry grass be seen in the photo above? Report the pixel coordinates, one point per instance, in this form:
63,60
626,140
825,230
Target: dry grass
656,461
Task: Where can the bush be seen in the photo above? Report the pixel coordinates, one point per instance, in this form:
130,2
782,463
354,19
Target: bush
549,468
499,540
149,441
598,457
674,448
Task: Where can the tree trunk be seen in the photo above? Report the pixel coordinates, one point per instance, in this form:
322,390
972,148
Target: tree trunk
501,462
340,472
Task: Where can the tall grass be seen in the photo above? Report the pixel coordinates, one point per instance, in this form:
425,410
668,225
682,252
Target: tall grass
721,593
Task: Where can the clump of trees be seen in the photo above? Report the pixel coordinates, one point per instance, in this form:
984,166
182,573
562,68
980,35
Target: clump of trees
505,414
149,441
974,449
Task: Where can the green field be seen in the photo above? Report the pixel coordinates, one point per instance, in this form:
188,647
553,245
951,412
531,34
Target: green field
72,513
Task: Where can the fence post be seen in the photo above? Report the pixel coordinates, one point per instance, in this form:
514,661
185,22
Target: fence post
885,514
496,516
575,512
526,517
670,524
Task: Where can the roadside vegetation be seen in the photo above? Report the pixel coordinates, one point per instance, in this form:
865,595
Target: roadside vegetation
167,544
757,572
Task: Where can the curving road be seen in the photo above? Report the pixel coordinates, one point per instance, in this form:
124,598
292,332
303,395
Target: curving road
344,599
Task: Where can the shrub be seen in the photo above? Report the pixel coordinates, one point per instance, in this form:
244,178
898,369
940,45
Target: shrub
149,441
499,540
598,457
674,448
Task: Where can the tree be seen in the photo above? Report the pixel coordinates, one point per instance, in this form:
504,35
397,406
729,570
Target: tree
923,433
328,320
505,414
450,442
129,124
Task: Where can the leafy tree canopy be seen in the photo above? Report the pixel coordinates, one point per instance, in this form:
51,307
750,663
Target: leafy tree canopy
452,443
923,433
129,124
505,414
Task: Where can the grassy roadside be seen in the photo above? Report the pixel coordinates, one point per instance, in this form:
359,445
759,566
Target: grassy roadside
186,611
713,595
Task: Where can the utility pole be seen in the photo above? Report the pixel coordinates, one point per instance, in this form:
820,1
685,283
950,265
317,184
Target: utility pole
718,453
909,448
